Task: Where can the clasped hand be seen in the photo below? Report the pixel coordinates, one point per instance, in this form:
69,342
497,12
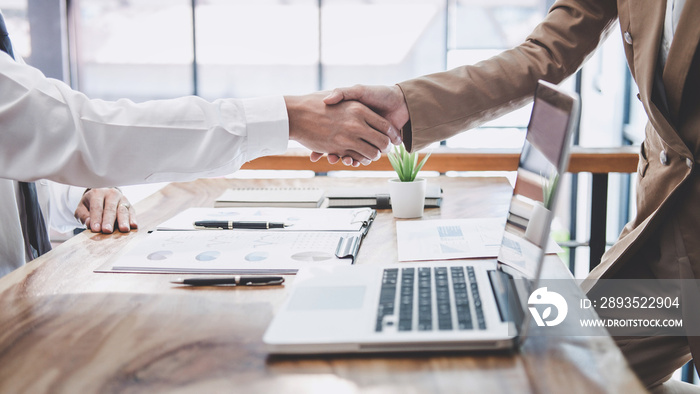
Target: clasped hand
343,124
367,117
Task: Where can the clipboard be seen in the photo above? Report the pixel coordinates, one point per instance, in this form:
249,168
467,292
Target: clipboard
366,222
272,251
348,246
236,252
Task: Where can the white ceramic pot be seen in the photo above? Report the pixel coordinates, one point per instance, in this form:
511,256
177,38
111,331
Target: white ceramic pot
537,230
407,198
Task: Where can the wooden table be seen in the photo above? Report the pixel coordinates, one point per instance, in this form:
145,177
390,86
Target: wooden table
64,328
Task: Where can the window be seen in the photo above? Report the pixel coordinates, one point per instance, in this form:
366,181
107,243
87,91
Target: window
252,48
135,49
256,48
381,41
15,14
245,48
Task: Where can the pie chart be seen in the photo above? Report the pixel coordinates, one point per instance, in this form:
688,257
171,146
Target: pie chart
160,255
209,255
257,256
312,256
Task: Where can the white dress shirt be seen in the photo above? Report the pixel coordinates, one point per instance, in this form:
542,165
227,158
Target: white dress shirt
673,15
58,204
49,131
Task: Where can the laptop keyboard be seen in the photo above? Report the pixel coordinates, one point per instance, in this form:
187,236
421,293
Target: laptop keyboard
429,298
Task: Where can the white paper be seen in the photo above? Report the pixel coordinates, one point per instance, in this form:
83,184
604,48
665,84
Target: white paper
299,219
231,251
447,239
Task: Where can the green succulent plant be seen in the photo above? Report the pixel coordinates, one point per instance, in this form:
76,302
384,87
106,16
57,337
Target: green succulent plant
406,164
547,188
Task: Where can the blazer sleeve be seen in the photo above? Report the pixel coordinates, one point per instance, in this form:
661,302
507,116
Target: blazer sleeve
447,103
48,130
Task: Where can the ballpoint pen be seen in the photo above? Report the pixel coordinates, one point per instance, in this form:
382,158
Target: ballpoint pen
230,225
232,280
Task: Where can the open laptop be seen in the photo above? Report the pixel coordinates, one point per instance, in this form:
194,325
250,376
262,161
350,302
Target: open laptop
440,305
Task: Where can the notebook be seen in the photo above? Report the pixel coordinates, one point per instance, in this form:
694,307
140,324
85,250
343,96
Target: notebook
271,197
377,198
439,305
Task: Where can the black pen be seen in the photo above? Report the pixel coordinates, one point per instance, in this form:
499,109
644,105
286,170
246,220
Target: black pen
230,225
232,280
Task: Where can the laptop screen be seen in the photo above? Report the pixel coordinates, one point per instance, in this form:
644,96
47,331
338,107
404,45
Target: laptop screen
543,159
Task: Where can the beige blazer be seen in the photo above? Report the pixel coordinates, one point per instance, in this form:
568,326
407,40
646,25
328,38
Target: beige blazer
444,104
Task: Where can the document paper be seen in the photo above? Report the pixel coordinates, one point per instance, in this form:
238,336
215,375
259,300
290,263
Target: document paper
298,219
420,240
448,239
232,251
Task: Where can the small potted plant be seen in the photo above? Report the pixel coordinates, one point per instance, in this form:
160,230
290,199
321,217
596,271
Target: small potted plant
548,187
407,192
540,217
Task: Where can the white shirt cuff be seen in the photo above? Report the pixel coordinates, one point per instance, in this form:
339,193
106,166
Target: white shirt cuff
267,126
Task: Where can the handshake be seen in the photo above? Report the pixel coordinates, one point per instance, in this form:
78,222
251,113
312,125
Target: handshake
353,125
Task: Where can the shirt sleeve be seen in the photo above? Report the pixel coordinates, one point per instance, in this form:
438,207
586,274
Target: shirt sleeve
51,131
63,201
268,126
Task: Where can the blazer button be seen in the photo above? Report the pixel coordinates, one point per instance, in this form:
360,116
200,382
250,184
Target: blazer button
663,157
689,162
628,37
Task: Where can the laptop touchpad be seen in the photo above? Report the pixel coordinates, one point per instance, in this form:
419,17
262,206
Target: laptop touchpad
326,297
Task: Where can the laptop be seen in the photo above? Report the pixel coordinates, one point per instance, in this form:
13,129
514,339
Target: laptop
440,305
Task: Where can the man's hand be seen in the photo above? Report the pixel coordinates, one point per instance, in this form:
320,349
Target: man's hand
386,101
346,129
101,209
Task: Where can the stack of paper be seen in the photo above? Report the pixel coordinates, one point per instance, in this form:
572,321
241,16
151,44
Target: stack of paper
313,236
233,252
271,197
